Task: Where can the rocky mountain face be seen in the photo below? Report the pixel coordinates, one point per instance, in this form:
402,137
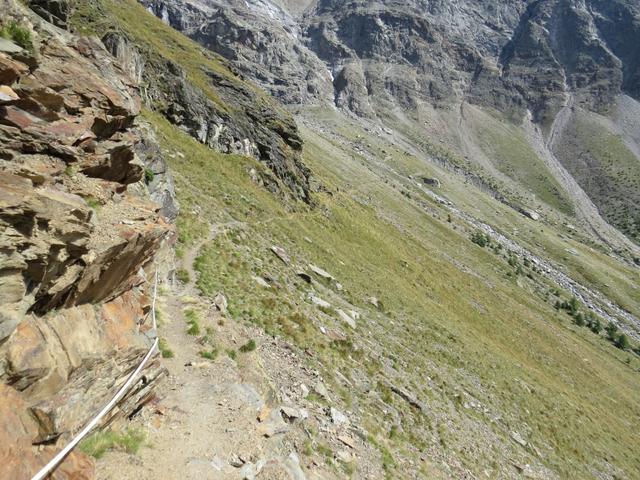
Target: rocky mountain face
515,55
79,236
527,60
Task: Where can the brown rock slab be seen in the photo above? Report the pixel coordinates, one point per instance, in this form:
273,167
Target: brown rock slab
281,254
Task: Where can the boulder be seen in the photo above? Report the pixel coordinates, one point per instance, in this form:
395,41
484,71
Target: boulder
337,417
281,254
75,241
321,390
221,303
321,273
55,12
319,302
7,95
532,214
347,318
7,46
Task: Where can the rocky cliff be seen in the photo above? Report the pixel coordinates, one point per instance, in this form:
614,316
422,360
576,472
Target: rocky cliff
201,93
79,240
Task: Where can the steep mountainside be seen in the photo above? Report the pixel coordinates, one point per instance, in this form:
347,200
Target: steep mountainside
529,59
402,242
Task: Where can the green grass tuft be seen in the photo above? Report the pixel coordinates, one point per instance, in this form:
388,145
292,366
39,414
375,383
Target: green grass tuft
99,443
20,35
165,351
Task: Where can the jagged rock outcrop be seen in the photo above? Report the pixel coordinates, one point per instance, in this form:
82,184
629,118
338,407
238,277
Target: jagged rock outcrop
78,235
254,126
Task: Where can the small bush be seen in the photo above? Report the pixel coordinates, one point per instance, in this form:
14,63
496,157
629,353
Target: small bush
193,321
612,330
20,35
622,342
595,326
232,354
194,329
148,175
481,239
573,306
250,346
93,203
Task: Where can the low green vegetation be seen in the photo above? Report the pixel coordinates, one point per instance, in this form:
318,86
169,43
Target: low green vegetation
165,350
607,170
148,175
250,346
98,443
590,320
183,276
93,203
193,321
481,239
506,146
20,35
211,354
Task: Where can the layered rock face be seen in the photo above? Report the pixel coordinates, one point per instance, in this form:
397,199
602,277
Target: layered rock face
78,237
515,56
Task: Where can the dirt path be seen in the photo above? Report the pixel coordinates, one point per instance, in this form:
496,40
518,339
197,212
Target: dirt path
205,424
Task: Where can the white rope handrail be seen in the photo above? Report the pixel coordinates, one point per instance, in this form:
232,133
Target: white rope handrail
55,461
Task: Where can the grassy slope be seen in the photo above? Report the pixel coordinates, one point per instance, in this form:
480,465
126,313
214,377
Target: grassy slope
606,169
506,145
451,332
550,239
455,326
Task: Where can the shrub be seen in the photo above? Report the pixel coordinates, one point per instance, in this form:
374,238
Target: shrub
579,319
573,306
209,354
165,351
622,342
480,238
193,322
194,329
612,330
594,324
93,203
250,346
232,354
148,175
